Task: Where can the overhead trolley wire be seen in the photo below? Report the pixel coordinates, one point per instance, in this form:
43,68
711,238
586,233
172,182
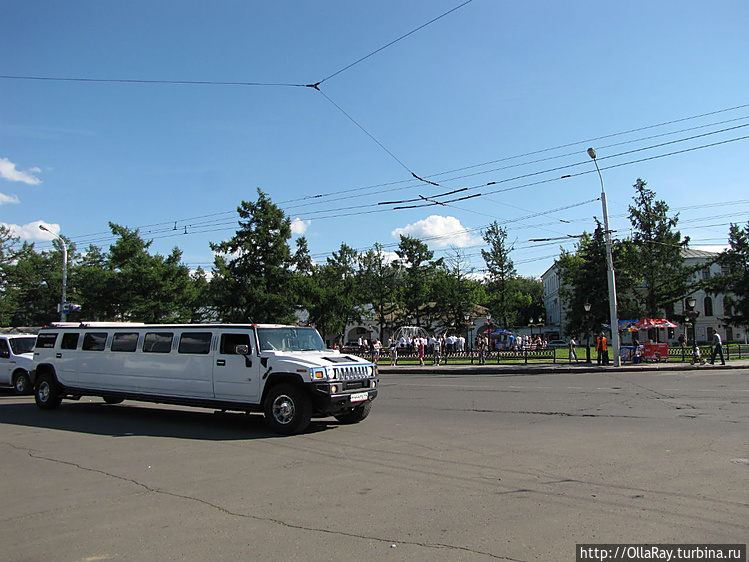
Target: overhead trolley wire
362,59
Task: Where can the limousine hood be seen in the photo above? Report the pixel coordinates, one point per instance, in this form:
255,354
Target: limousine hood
293,361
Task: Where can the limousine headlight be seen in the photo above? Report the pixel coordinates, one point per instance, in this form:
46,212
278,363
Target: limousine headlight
319,374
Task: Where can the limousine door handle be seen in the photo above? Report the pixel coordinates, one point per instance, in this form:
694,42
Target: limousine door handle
58,355
221,362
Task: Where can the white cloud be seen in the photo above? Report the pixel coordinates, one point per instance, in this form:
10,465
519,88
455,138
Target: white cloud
9,172
6,199
299,227
32,232
438,232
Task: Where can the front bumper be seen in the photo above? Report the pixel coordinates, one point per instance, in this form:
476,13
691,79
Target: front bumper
329,398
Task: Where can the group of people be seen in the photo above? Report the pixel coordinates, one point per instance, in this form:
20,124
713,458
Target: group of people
522,342
602,349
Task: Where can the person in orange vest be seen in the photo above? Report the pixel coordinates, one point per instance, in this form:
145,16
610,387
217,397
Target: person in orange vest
602,349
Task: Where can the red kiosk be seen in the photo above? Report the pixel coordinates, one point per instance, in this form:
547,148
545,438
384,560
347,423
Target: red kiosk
653,351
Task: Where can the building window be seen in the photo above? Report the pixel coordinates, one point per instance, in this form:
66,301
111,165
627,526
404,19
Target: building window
708,306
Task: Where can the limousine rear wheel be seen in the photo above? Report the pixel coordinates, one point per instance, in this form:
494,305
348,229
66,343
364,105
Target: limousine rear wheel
47,396
287,409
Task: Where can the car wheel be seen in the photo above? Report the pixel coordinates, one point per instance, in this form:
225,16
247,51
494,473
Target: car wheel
47,395
113,399
21,383
356,415
288,409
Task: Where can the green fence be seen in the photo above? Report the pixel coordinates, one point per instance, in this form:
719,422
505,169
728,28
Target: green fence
551,355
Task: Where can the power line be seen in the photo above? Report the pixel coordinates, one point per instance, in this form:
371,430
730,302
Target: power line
344,69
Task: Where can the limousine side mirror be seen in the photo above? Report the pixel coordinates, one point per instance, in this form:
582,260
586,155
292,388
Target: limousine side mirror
244,350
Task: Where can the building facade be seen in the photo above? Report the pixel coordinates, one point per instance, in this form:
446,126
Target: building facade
711,308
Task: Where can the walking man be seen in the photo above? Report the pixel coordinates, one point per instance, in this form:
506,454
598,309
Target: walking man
717,349
573,355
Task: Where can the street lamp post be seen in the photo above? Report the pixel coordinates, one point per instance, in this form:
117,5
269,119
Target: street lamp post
610,269
692,317
467,318
587,331
63,311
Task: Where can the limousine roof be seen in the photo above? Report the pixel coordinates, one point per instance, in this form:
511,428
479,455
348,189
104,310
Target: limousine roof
116,325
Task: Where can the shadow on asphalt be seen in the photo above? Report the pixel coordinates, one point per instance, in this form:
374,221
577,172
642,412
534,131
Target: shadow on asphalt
134,419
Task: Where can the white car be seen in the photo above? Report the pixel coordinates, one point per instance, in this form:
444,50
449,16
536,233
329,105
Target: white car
16,361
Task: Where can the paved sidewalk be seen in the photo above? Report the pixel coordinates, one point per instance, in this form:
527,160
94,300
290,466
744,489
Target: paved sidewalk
558,367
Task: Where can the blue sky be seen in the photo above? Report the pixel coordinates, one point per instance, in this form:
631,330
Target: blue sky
483,95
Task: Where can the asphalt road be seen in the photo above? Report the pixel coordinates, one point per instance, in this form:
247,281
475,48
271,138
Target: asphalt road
447,467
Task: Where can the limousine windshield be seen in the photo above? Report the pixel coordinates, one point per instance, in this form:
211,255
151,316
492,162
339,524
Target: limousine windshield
290,339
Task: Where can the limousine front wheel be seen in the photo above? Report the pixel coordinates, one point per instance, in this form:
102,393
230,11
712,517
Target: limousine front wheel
287,409
47,394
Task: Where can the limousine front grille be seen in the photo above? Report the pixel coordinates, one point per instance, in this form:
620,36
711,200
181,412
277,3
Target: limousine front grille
354,372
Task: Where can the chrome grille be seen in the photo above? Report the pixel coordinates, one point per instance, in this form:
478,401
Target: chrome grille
353,372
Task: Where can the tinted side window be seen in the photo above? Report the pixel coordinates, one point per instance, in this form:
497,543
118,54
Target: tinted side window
46,341
4,349
158,342
125,341
230,341
94,341
199,342
69,340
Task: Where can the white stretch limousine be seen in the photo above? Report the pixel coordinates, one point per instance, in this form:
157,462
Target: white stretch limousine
283,371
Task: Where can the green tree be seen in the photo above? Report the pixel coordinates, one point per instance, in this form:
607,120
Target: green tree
417,271
36,284
734,280
656,261
335,298
11,285
379,284
252,273
584,280
500,270
144,287
453,292
526,300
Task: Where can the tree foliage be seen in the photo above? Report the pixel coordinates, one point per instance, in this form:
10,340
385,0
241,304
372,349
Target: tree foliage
734,280
252,274
500,272
655,258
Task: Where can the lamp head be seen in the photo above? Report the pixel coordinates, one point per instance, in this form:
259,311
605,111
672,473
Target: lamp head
592,153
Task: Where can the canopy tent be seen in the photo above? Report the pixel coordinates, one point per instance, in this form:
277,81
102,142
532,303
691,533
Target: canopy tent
643,324
498,332
647,323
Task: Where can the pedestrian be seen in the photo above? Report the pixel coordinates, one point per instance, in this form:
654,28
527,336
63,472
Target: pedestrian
376,347
602,349
481,348
573,355
393,352
717,349
421,346
436,351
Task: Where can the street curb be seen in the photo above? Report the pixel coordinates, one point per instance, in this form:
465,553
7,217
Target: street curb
499,369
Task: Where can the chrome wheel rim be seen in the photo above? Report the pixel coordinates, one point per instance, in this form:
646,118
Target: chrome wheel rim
283,409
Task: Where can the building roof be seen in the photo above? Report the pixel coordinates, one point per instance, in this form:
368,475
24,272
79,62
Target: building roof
690,253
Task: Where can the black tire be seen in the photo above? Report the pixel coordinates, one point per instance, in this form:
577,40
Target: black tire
356,415
47,395
288,409
22,383
113,399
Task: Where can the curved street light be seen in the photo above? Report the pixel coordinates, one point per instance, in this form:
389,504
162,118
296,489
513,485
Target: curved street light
610,269
63,312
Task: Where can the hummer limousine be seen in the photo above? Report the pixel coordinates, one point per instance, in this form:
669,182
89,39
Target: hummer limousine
282,371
